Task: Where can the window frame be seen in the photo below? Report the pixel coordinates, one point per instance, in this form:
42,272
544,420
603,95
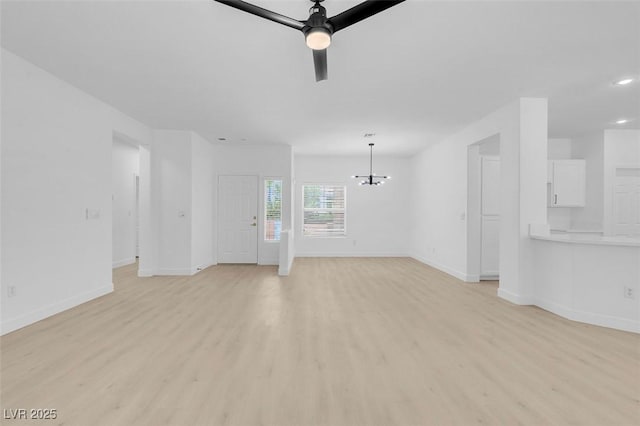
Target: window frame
343,210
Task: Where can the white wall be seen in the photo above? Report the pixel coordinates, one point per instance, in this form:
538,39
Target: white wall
201,203
172,179
56,164
591,149
183,196
124,165
621,148
559,149
439,195
377,218
264,161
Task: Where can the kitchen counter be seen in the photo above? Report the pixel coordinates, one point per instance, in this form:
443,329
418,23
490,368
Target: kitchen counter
587,277
588,238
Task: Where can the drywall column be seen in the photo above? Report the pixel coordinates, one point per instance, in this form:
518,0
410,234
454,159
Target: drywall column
287,245
523,151
183,180
201,203
474,212
287,191
172,174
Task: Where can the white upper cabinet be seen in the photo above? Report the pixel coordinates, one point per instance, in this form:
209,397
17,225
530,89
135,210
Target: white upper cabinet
567,183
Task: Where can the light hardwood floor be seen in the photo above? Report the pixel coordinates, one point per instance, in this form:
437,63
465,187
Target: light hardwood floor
338,342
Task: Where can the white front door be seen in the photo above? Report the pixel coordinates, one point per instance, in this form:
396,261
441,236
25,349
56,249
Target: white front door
237,219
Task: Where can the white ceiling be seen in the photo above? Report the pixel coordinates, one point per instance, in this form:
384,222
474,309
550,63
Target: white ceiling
412,74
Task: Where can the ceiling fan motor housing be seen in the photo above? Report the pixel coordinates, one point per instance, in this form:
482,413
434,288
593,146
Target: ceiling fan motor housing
317,20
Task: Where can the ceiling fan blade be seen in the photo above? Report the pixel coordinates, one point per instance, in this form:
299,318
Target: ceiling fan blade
320,64
360,12
264,13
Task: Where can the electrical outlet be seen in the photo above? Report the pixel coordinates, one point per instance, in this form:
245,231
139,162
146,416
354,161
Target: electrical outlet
629,292
11,291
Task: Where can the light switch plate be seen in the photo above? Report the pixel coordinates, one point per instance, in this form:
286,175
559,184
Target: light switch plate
92,214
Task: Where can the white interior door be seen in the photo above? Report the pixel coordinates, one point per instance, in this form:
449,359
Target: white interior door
490,216
626,203
490,257
238,219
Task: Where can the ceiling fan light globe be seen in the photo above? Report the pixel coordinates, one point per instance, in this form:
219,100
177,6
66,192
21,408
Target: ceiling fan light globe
318,38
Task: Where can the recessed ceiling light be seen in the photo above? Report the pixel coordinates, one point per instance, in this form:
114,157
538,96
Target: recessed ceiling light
623,82
622,121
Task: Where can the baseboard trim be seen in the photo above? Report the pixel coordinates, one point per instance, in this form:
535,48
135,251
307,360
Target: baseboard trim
175,272
199,268
589,317
123,262
50,310
145,272
350,254
514,298
453,272
489,277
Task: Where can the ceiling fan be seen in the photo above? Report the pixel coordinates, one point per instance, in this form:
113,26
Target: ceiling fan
318,29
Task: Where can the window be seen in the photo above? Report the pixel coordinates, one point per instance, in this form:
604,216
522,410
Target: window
324,211
272,209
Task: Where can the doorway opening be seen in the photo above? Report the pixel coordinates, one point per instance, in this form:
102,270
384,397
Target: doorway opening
483,205
125,168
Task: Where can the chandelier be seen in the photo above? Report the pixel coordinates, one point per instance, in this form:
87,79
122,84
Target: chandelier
371,179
